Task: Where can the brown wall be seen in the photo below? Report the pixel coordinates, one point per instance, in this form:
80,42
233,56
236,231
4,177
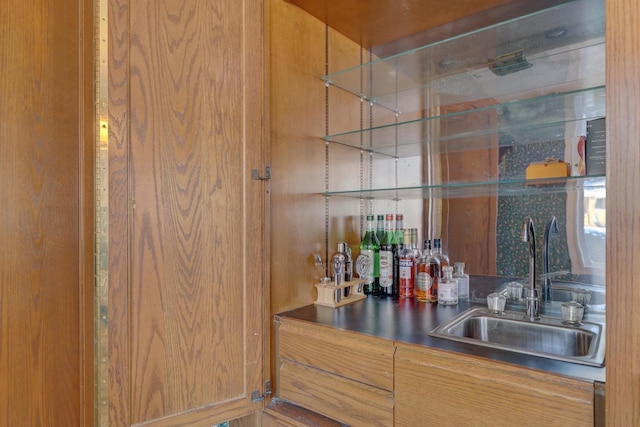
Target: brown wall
46,213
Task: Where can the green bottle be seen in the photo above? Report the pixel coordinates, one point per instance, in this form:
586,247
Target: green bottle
387,245
399,245
370,246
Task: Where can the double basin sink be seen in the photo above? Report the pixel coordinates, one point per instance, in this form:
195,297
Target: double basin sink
549,337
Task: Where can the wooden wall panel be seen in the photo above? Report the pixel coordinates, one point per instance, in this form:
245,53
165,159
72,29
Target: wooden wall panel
297,122
623,204
469,223
187,286
43,155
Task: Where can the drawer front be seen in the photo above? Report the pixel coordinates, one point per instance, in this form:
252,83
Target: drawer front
355,356
336,397
464,390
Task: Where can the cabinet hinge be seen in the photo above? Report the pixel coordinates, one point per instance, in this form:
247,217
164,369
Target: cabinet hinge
255,174
257,397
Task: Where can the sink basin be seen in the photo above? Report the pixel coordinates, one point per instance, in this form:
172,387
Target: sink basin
547,337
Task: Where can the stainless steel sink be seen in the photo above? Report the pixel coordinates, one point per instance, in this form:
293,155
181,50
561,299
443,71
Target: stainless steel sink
547,337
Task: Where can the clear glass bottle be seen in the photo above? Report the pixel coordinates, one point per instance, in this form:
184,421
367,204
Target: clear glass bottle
370,246
414,243
406,258
442,257
447,288
428,274
387,245
399,236
463,280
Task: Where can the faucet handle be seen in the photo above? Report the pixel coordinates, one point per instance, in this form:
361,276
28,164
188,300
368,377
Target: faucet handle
532,304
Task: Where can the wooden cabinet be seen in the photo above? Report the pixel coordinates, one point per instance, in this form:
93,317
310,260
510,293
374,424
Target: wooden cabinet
187,222
438,388
364,380
345,376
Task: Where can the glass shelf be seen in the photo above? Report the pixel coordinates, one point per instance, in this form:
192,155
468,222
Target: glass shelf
558,49
516,187
529,121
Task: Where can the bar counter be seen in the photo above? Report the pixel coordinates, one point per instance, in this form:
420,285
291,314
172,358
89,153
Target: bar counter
409,321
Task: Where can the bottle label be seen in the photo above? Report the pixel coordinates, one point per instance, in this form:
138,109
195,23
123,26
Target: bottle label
423,281
448,292
386,268
406,282
406,268
368,275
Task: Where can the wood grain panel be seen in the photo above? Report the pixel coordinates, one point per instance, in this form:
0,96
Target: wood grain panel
119,196
297,124
281,413
462,390
469,224
341,399
365,359
375,22
393,27
623,204
187,248
41,266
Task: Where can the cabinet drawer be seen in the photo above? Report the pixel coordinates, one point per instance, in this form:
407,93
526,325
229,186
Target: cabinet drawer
465,390
351,355
350,402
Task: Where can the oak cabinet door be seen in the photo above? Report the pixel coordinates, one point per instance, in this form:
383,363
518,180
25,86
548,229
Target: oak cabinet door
186,246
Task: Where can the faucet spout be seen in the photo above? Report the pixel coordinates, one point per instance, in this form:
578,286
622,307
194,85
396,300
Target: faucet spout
532,300
551,228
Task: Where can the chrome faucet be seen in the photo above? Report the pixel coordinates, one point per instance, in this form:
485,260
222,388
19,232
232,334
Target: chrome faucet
532,300
552,227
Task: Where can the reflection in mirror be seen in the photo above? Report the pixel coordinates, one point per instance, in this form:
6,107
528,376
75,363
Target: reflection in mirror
484,231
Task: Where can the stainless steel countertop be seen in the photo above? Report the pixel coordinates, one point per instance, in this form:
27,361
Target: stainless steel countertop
409,321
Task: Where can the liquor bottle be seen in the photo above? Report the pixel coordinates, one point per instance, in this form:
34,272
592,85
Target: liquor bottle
380,228
423,279
399,235
386,257
428,273
463,280
370,247
448,288
442,257
417,253
406,258
379,235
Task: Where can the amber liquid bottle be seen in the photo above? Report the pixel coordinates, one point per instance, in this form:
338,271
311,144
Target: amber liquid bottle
428,273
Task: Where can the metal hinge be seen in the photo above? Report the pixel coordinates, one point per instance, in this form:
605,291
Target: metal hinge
255,174
257,397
